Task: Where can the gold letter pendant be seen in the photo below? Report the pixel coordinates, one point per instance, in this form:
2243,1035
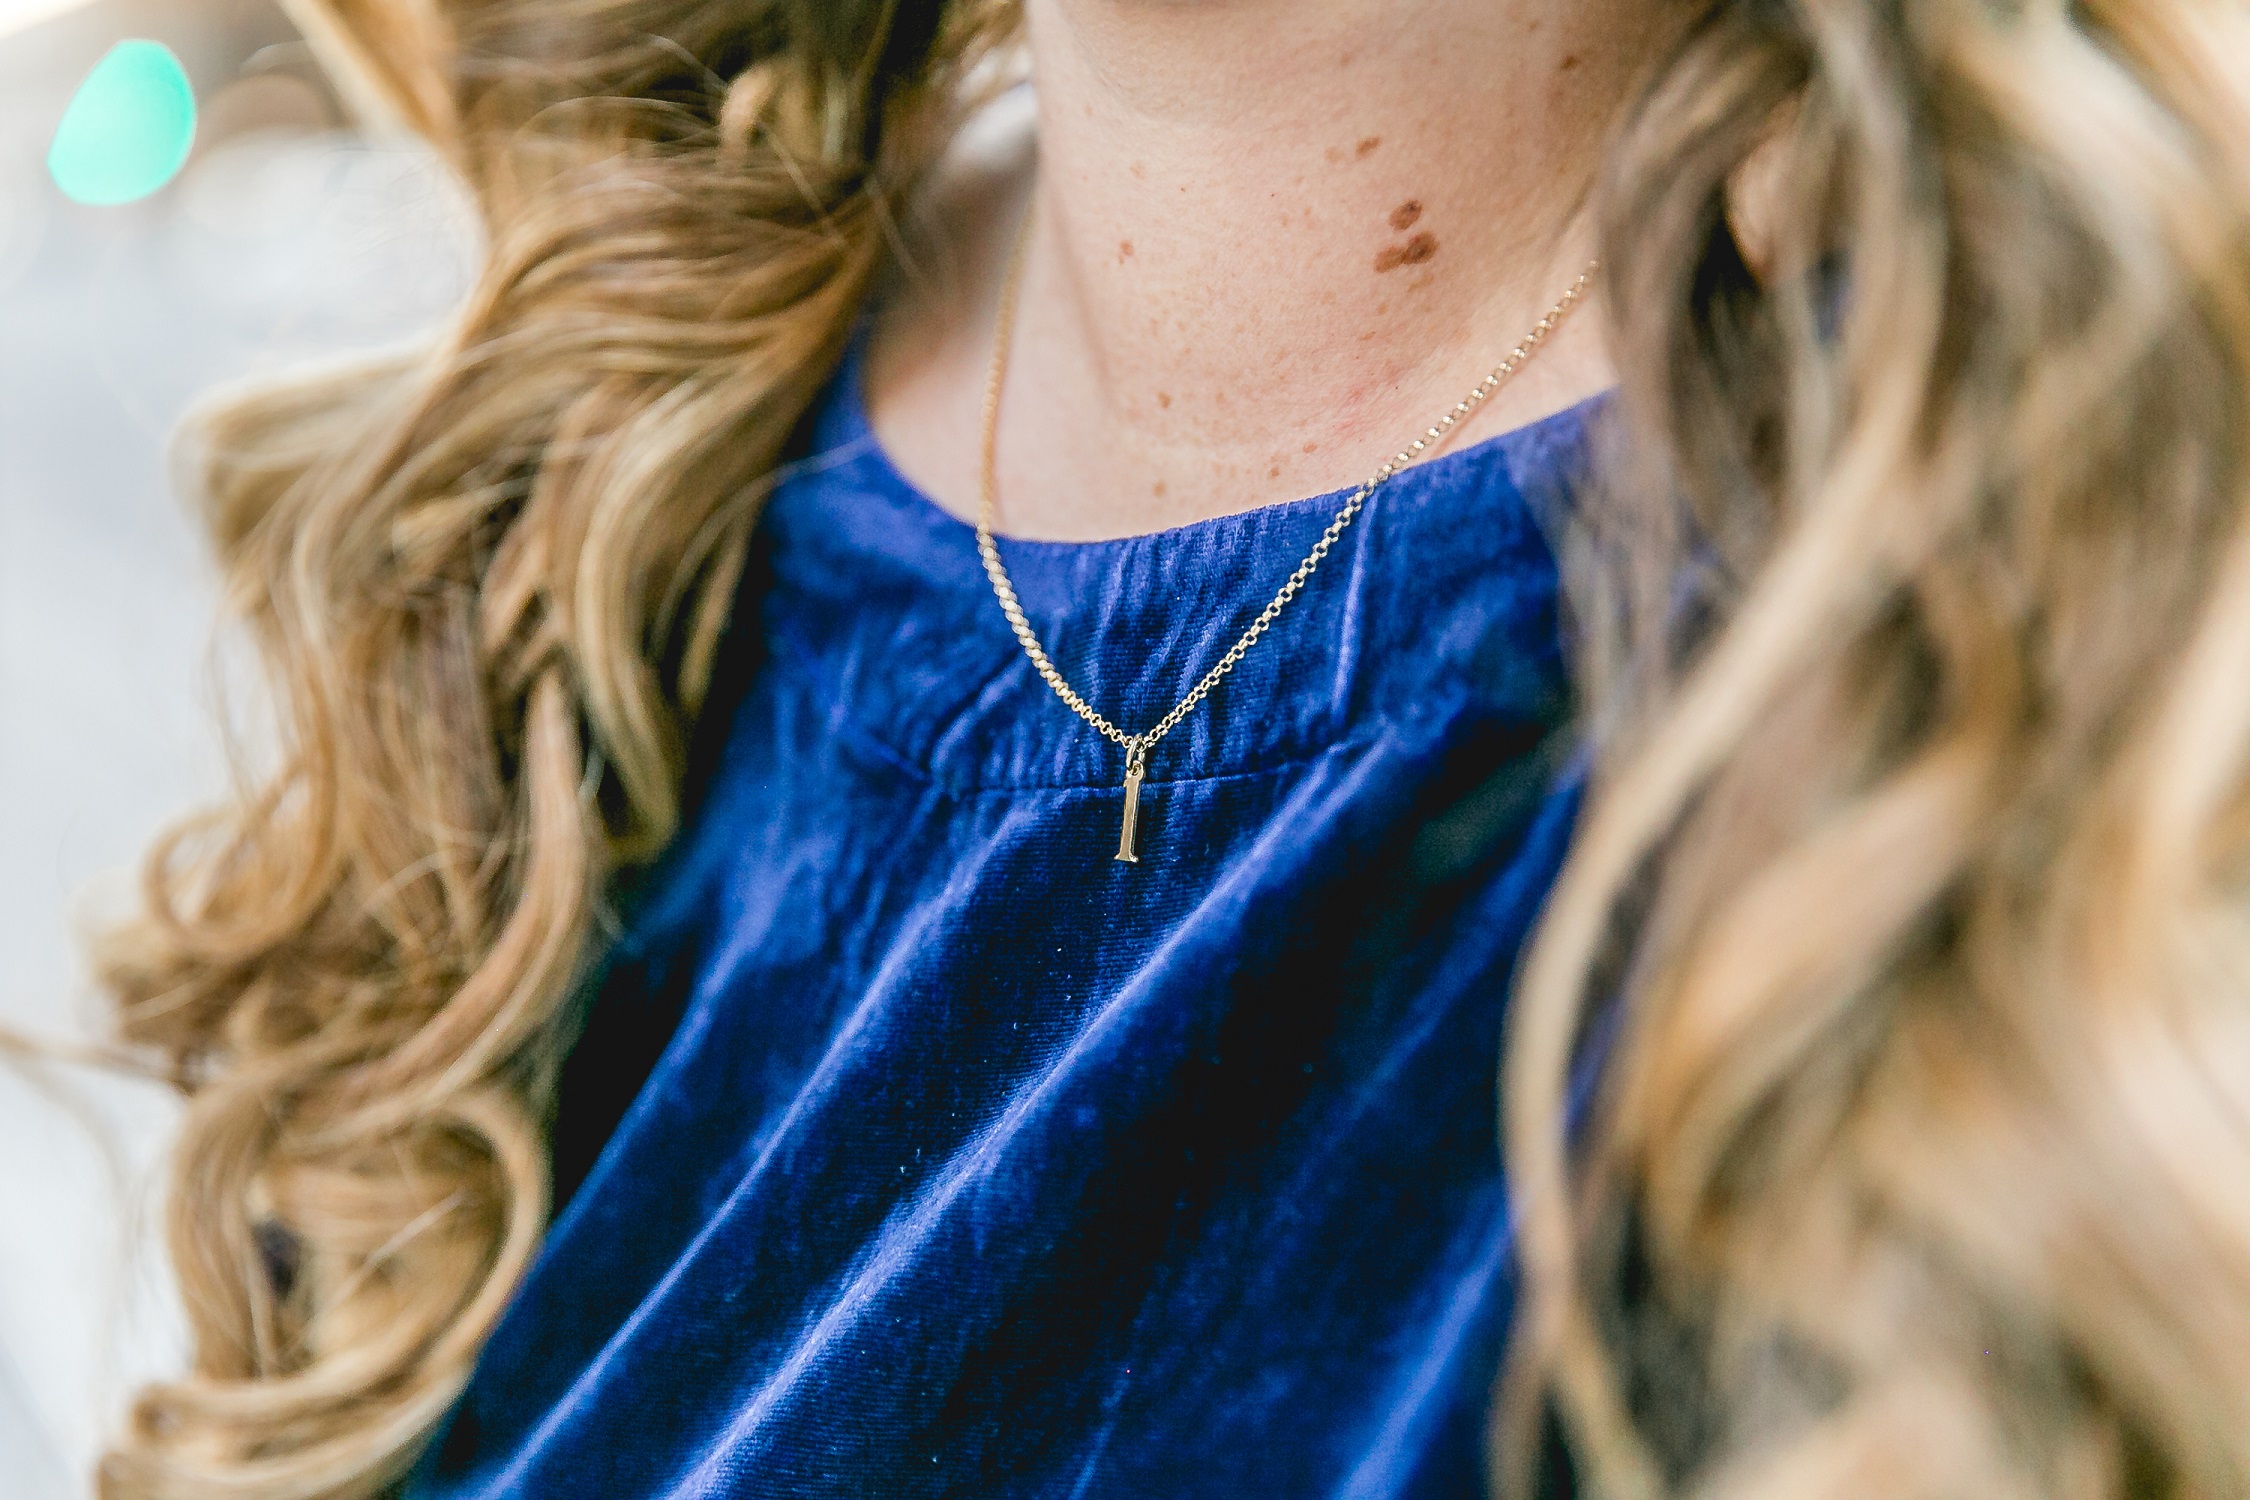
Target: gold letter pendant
1135,754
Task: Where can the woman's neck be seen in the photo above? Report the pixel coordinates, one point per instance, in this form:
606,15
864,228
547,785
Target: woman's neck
1273,239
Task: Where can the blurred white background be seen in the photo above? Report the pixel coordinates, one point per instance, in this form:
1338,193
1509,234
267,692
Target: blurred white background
287,237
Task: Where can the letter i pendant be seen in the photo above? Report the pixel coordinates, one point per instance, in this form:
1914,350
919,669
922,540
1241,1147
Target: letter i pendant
1136,756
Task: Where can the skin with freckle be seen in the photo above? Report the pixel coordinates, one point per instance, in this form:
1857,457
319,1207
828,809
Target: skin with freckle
1274,329
1416,251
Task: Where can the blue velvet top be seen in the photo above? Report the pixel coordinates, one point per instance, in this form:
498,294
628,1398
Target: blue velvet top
916,1146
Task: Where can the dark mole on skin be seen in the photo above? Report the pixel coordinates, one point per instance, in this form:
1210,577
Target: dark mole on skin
1124,249
1570,62
1404,216
1367,147
1414,252
1163,399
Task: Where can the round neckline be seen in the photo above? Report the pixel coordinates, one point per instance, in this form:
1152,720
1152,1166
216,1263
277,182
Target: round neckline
855,431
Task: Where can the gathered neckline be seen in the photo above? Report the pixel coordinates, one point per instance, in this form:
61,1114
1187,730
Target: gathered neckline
1443,594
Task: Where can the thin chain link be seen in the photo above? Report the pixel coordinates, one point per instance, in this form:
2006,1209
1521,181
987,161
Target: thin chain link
1137,746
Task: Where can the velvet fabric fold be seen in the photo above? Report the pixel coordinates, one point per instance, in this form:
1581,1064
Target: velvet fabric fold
915,1146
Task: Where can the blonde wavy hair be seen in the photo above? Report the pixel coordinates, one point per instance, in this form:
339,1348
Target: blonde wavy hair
1917,856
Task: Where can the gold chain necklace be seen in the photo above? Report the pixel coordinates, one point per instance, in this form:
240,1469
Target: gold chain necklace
1137,746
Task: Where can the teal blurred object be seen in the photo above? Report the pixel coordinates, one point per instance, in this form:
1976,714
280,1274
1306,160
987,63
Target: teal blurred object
128,129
